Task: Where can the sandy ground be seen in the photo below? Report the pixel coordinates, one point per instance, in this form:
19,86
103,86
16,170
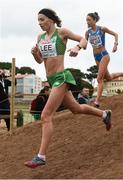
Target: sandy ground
81,148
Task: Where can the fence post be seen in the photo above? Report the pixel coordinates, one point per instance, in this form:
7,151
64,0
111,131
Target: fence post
12,98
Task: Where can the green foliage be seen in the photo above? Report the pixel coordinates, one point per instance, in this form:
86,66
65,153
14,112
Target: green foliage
5,65
28,70
93,69
20,118
22,70
93,73
79,76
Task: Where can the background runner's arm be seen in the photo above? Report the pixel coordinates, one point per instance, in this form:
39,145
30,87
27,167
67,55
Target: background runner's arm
105,29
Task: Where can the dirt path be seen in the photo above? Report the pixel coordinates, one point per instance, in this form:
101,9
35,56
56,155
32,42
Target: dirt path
81,147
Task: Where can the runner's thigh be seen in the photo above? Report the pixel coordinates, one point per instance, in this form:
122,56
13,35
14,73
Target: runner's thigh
55,98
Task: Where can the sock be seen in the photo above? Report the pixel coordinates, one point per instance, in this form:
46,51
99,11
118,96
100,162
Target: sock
43,157
104,114
96,102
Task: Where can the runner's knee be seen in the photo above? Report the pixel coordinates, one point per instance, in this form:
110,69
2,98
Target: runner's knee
46,117
100,79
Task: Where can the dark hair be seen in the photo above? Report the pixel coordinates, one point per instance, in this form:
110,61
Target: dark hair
45,88
95,16
52,15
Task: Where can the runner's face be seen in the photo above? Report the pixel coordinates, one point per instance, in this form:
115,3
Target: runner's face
44,22
90,21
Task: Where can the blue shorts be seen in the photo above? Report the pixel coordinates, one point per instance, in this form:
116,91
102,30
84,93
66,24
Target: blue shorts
100,55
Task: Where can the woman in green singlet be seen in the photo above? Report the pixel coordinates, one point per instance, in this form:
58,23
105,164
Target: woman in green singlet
50,49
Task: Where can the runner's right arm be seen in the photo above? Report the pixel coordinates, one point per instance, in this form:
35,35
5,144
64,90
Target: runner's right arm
36,52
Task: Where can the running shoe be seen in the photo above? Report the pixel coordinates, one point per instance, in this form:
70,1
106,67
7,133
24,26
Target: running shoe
35,162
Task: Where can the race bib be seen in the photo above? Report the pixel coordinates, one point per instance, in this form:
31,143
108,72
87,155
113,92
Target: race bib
95,41
48,48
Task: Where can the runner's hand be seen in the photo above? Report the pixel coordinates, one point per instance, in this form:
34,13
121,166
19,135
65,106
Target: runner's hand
73,52
114,48
35,49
